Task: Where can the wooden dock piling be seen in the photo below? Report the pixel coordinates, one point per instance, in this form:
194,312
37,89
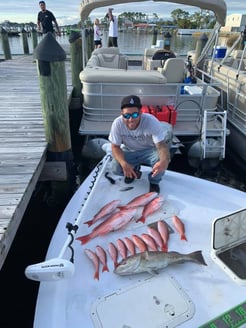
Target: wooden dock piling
76,62
5,44
53,90
25,42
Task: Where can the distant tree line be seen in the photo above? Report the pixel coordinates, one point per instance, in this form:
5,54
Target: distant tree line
179,18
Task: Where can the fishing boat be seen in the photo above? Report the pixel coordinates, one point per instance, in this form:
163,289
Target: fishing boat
228,67
162,81
198,282
208,294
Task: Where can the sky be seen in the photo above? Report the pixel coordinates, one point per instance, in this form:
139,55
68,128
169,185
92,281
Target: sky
67,11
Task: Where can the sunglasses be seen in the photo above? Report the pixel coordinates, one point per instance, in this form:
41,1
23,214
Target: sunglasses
133,115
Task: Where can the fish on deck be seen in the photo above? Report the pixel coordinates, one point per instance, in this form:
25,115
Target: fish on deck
153,262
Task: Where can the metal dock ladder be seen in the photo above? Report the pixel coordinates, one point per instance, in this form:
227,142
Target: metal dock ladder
213,138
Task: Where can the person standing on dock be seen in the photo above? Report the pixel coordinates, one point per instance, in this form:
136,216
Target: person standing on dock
138,139
97,34
46,19
113,29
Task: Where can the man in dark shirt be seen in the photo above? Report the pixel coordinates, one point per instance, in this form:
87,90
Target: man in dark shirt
46,19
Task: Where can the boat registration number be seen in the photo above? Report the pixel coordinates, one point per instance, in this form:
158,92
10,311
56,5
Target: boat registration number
233,318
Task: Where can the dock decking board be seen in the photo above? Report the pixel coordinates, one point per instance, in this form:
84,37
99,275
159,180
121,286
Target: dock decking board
22,142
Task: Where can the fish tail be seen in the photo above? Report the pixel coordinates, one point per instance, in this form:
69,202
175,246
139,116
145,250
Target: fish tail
198,258
141,219
90,222
84,239
96,275
105,268
164,248
183,237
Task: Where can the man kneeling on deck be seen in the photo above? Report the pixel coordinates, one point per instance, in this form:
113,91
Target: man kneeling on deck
138,138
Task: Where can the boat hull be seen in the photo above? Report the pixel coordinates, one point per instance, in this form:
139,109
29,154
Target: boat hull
77,302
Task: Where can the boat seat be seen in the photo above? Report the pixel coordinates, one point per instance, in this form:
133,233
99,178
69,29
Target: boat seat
148,54
107,58
173,70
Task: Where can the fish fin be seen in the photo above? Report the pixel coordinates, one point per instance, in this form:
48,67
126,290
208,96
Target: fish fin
84,239
141,219
105,268
153,272
90,222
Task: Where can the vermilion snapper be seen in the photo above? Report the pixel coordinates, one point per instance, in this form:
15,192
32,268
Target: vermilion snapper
121,248
140,244
114,222
164,232
179,226
104,212
102,257
95,260
153,206
129,245
149,241
113,252
157,237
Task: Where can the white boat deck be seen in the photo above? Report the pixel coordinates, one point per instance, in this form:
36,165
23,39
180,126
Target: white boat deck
198,293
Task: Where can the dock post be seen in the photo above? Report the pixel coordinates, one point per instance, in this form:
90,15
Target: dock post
53,90
199,46
34,38
75,40
154,38
25,42
5,44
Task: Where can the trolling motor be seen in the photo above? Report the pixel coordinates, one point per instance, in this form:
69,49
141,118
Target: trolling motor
60,268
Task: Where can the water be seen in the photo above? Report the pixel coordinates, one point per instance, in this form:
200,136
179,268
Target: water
129,42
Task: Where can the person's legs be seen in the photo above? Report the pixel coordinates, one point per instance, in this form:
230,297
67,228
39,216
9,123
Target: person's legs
146,157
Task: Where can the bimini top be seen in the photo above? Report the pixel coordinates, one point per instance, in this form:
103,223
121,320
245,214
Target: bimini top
218,6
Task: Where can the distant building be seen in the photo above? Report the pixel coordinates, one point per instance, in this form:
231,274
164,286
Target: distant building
234,23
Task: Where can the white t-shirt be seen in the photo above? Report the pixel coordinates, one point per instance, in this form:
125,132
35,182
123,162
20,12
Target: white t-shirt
148,133
97,33
113,27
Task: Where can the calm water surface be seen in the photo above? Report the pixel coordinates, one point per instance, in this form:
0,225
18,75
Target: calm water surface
129,42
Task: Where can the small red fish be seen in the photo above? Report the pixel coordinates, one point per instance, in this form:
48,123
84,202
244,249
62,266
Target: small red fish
153,206
179,226
149,241
157,237
130,245
121,248
104,212
113,252
140,244
95,260
102,257
164,232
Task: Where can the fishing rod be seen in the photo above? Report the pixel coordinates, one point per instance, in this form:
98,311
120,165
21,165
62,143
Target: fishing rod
59,268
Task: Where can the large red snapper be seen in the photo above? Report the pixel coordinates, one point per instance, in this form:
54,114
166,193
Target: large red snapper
141,200
150,208
106,210
114,222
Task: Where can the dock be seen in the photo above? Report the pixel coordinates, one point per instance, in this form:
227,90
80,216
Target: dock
22,142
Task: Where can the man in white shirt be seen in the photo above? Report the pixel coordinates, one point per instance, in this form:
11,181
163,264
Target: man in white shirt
113,29
138,138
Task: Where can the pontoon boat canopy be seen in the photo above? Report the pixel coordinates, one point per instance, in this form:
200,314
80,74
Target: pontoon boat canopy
217,6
